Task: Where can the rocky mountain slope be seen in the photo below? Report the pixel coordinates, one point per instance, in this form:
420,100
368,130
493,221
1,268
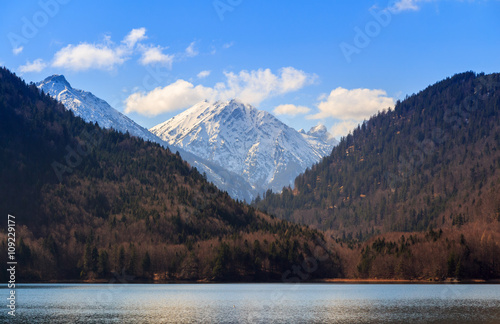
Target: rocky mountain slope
246,141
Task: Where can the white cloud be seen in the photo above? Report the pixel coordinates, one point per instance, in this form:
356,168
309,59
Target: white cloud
86,56
291,110
175,96
135,35
191,51
17,50
227,45
203,74
404,5
343,128
356,104
107,55
408,5
36,66
248,86
255,86
398,6
152,55
292,79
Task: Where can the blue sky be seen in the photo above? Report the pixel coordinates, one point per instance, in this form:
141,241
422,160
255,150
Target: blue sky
308,62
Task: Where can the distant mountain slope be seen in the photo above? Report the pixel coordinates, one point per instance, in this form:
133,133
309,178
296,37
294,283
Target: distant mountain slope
92,109
230,178
254,144
433,161
89,201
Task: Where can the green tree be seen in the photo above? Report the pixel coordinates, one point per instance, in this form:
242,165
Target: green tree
95,259
132,263
87,258
121,259
103,263
146,263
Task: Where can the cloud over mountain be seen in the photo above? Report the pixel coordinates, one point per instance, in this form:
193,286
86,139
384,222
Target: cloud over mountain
249,86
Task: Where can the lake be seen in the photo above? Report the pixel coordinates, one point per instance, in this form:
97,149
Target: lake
255,303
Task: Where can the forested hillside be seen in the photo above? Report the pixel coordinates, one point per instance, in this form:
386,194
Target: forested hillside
89,202
433,161
413,192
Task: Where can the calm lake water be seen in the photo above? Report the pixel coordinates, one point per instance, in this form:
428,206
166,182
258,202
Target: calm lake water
255,303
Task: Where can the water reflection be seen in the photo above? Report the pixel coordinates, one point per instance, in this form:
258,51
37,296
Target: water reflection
257,303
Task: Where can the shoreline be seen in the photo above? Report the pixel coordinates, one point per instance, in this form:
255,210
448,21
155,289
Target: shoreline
407,281
373,281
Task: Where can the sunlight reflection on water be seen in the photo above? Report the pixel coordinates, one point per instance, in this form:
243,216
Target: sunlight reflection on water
257,303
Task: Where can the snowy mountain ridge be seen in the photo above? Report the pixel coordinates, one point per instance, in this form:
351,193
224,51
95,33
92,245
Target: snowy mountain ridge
242,150
93,109
246,141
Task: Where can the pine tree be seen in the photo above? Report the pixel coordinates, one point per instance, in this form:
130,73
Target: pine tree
146,263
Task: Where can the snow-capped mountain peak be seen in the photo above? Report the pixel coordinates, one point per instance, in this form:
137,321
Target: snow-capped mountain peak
247,141
318,131
241,149
93,109
53,80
